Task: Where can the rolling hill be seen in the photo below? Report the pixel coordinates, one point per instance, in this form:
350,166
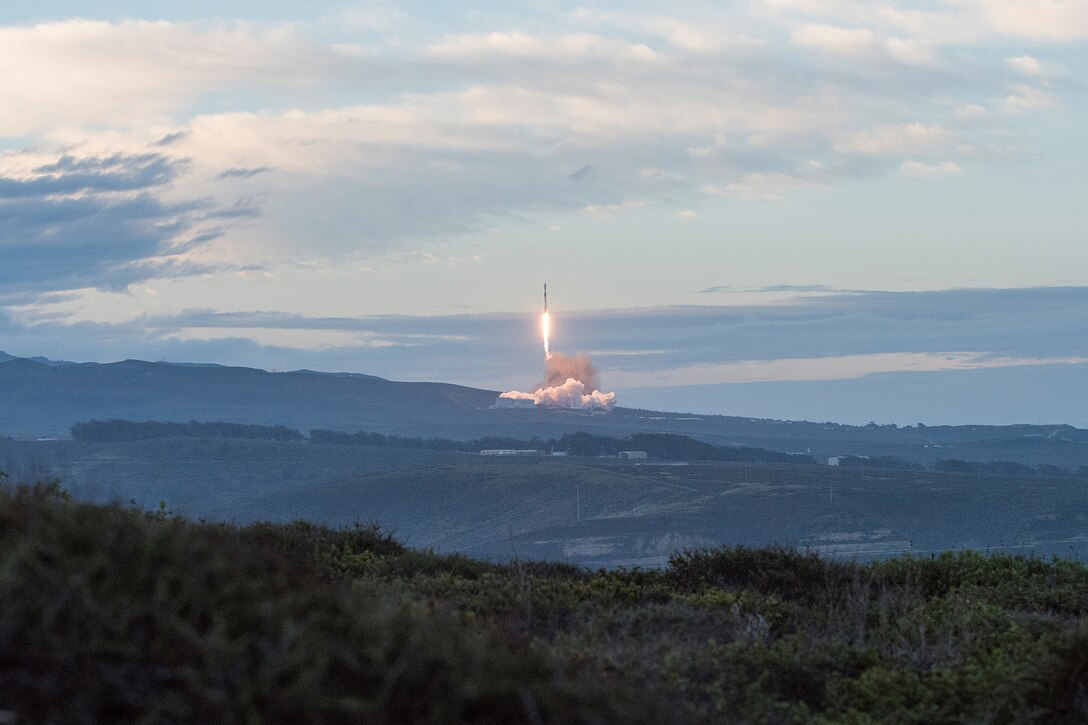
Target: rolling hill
43,398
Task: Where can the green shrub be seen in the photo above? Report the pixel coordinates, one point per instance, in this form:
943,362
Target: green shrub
109,615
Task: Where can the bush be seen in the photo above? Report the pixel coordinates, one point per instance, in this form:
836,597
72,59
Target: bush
112,615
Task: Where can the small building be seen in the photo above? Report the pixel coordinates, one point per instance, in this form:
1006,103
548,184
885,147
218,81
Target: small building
633,454
509,452
834,460
501,402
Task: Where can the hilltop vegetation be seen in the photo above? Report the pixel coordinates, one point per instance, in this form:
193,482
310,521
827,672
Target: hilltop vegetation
113,431
109,613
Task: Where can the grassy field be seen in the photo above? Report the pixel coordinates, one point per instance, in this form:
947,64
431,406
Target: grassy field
593,512
113,614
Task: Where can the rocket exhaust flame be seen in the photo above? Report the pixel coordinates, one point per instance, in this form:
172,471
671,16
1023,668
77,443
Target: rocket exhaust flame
545,324
569,382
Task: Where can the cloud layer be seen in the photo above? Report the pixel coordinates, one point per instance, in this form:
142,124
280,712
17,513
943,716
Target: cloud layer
379,137
879,331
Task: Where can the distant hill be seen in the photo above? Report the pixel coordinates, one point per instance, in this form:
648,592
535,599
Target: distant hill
37,398
4,357
44,398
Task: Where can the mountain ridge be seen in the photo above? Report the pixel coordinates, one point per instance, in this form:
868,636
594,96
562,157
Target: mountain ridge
38,398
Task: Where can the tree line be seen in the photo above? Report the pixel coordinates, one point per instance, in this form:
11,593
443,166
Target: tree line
662,446
956,465
116,431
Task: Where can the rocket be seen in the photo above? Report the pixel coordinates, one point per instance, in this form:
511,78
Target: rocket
545,297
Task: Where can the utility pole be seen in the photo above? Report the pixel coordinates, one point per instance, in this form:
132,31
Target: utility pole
578,502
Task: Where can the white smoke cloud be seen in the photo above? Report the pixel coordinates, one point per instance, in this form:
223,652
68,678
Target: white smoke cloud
569,382
570,394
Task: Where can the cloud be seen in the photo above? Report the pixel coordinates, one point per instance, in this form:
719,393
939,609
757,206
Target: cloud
997,396
1058,20
487,47
91,221
950,21
771,288
171,138
938,330
919,170
602,211
832,367
717,146
891,139
243,173
970,112
693,37
136,70
1025,65
383,141
1026,99
69,175
912,51
581,173
768,186
851,42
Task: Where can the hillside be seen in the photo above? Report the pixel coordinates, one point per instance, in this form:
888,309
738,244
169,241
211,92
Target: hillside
45,398
37,399
117,615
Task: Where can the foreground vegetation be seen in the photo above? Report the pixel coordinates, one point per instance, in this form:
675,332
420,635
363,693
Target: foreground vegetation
111,614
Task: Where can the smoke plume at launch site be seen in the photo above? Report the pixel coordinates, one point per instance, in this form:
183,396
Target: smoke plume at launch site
559,368
569,382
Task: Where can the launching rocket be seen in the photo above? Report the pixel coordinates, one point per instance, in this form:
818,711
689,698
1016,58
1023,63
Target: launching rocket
545,297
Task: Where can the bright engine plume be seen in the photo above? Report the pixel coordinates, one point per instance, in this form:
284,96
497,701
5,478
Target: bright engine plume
546,325
569,382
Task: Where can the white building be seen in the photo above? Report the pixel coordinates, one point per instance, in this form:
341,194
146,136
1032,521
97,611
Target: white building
509,452
513,403
633,454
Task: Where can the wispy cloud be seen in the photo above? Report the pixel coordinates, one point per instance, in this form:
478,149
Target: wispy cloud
893,139
920,170
243,173
606,210
92,221
831,367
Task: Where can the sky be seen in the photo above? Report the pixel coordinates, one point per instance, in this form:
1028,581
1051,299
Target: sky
816,209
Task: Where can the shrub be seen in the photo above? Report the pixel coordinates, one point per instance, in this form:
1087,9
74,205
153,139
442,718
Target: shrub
110,615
